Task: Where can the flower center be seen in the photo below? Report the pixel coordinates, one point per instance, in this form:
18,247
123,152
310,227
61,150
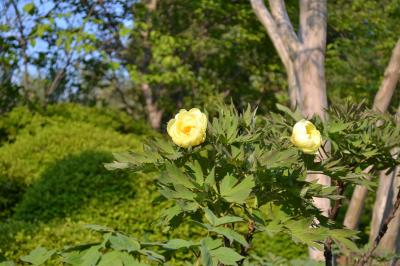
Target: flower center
310,129
186,129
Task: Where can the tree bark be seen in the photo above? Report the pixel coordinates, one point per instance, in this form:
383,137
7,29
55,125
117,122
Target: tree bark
154,114
381,103
309,63
280,38
391,240
391,77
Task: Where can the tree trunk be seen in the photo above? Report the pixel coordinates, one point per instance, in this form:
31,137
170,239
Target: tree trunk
391,240
303,56
381,103
309,65
153,113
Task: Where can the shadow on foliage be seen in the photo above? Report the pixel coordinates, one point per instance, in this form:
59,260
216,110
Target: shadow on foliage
71,184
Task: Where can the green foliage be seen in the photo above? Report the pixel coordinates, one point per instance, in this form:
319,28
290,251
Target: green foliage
54,182
247,172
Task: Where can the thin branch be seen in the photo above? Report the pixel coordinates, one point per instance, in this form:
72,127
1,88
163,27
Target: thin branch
61,73
332,215
251,228
366,257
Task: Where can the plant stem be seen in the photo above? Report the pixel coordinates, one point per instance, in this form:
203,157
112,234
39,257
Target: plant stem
251,228
333,213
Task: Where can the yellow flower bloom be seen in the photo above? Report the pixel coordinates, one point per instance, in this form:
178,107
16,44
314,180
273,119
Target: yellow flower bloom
306,137
188,128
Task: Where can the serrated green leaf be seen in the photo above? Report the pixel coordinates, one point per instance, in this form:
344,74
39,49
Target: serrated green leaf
233,192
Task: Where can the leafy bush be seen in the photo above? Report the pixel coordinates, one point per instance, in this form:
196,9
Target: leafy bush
62,185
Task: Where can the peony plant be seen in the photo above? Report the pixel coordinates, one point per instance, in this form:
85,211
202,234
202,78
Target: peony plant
238,175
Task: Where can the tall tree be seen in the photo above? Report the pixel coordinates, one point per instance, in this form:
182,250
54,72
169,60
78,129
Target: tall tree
303,56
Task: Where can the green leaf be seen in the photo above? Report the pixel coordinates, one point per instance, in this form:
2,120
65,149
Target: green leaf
121,242
215,221
210,179
226,255
91,256
124,31
342,237
118,258
74,258
301,231
38,256
230,234
238,193
111,258
212,243
29,8
338,126
206,258
197,171
177,244
151,255
176,176
7,263
295,115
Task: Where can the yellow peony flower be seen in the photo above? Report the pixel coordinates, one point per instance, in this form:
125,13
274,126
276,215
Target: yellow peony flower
306,137
188,128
